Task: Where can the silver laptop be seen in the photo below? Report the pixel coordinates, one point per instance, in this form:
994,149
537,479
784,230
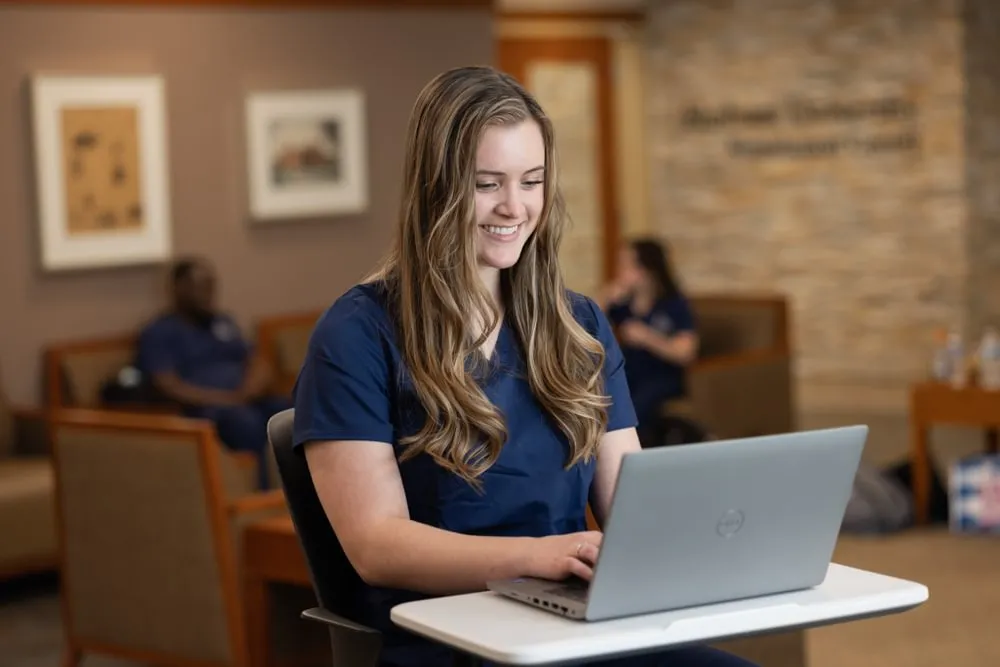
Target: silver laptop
712,522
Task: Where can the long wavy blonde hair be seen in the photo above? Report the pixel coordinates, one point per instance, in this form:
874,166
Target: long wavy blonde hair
436,292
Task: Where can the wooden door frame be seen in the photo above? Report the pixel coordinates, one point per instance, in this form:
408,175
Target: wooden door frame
514,54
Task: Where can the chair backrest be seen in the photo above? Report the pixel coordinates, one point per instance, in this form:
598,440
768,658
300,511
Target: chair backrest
284,340
149,564
76,372
736,324
334,579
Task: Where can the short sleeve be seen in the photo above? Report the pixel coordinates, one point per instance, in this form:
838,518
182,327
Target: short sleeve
342,389
155,353
621,412
681,314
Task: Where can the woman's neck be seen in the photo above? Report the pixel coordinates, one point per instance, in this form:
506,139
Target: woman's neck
491,281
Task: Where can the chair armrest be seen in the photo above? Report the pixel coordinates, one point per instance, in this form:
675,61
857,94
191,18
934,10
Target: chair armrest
351,643
254,503
31,433
250,508
329,618
243,460
143,408
745,394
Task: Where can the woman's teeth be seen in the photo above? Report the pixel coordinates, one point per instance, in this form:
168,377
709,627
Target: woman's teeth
502,231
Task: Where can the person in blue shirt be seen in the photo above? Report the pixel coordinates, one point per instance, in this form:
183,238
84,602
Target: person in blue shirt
195,356
460,408
656,329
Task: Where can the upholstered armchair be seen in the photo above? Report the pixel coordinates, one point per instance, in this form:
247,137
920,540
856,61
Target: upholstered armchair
151,513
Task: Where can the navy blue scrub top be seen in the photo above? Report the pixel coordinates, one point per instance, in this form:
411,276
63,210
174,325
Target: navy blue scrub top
648,373
353,386
213,356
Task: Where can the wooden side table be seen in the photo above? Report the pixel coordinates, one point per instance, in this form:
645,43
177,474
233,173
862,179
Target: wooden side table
938,403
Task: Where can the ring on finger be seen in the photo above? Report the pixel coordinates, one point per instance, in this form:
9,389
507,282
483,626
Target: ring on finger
579,548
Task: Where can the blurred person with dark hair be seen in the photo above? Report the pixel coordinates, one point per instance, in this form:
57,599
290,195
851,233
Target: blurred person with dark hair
656,330
196,356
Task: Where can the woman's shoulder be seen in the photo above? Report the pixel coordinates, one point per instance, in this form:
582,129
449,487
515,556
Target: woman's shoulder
586,312
362,311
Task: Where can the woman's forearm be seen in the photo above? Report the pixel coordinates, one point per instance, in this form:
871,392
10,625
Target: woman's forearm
405,554
680,349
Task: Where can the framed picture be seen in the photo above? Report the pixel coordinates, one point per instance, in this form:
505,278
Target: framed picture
101,171
307,154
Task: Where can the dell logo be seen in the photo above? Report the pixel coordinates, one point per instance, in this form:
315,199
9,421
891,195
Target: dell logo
730,523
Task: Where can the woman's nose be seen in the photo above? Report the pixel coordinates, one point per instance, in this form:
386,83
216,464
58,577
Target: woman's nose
511,204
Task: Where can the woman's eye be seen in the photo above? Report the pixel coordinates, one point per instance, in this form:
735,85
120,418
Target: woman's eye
486,187
531,184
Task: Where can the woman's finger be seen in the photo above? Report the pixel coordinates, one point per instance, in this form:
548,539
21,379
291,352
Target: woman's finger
580,569
588,553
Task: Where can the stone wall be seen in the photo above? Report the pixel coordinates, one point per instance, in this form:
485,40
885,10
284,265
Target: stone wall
982,131
816,148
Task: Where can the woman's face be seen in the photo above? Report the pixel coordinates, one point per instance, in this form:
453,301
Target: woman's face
510,191
630,273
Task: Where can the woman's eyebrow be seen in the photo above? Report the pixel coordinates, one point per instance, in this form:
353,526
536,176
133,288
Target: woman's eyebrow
490,172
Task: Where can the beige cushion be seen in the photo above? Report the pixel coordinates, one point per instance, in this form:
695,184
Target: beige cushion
27,510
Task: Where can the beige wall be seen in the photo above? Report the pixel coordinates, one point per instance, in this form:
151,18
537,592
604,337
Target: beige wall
210,59
982,71
627,46
869,245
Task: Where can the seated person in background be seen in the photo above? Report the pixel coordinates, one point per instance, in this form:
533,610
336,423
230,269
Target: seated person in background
196,356
656,331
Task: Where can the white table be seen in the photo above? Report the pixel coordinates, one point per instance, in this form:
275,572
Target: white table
498,629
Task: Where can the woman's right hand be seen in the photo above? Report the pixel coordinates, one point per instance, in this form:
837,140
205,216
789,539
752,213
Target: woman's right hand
558,557
614,293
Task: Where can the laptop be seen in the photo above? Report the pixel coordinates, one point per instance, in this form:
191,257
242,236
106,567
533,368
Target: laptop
712,522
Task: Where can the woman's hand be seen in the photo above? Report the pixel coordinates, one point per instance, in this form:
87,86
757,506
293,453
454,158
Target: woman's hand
560,556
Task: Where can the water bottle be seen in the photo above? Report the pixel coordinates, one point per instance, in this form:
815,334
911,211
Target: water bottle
941,361
989,360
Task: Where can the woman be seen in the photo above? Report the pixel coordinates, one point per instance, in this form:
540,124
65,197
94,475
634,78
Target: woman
460,408
656,330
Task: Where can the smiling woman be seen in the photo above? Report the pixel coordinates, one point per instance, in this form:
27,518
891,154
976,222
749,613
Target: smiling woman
460,408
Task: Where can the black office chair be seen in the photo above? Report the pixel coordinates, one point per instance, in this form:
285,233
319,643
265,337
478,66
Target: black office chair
335,582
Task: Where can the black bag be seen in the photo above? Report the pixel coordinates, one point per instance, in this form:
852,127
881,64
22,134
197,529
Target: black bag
903,474
130,387
879,503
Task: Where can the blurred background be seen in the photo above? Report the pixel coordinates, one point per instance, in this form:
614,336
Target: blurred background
823,173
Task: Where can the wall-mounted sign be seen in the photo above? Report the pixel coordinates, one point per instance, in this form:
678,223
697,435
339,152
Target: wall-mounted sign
874,126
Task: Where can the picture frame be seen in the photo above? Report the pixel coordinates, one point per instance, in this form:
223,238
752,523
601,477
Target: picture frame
102,183
306,154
